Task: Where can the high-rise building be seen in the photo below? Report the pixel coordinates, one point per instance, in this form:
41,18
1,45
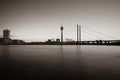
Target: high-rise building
6,34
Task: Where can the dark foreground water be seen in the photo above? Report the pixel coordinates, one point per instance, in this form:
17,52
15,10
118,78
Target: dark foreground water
41,62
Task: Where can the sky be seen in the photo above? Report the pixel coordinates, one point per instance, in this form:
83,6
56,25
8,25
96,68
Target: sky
39,20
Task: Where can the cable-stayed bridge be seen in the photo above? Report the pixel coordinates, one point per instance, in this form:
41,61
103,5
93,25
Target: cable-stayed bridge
90,36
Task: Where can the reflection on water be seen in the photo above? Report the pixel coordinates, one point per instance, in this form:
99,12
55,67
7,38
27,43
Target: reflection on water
5,55
60,62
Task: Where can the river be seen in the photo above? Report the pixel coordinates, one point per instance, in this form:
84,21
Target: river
69,62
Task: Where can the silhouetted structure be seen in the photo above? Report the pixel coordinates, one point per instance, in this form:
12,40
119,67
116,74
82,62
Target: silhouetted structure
61,34
69,40
18,42
49,40
6,40
58,40
78,34
1,40
6,36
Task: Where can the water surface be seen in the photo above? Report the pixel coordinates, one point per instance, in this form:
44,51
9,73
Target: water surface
60,62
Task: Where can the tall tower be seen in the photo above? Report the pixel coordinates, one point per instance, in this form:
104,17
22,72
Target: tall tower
61,34
78,33
6,34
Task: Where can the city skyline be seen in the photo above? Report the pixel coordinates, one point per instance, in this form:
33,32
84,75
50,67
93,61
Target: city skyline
39,20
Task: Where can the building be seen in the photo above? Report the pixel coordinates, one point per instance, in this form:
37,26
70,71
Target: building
1,40
18,42
69,40
6,36
58,40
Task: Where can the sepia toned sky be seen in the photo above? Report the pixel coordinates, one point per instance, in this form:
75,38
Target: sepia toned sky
39,20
